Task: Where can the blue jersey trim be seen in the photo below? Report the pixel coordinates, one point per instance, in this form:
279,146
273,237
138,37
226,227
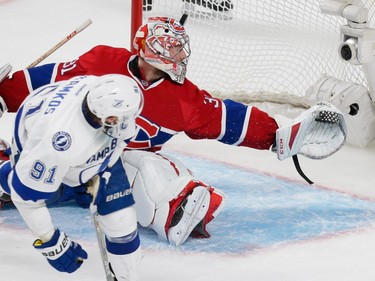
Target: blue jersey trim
16,129
41,75
236,113
5,169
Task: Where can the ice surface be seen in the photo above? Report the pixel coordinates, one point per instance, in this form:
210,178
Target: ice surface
274,226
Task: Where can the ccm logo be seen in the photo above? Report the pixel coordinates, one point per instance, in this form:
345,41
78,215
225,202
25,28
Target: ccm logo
281,146
118,195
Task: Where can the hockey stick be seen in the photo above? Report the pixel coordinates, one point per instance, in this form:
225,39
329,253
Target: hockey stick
103,253
62,42
92,188
299,169
183,19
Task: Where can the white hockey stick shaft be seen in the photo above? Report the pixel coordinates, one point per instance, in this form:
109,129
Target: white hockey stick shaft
62,42
93,188
103,252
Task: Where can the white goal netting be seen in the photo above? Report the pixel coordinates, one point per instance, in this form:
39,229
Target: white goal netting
261,46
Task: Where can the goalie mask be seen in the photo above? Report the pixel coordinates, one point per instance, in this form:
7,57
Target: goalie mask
164,44
116,101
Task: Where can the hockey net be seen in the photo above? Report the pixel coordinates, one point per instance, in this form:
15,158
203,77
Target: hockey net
261,50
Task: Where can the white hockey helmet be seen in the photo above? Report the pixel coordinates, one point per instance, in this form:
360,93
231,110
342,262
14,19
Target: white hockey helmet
117,101
163,43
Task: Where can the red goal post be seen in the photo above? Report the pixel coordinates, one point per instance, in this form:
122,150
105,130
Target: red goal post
136,19
269,50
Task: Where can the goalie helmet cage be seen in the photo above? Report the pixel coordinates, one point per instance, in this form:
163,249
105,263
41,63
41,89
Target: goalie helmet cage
258,50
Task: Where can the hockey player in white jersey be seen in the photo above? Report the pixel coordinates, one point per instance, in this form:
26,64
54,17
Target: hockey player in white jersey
69,132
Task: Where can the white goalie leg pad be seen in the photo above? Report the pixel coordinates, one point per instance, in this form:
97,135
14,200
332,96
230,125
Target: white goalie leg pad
193,212
156,180
353,100
317,133
161,185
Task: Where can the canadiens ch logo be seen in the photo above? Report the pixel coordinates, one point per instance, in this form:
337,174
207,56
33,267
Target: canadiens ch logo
61,141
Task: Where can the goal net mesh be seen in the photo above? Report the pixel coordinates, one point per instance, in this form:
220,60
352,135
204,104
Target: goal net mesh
267,49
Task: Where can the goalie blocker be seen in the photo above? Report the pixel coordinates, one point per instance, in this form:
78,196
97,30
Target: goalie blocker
175,205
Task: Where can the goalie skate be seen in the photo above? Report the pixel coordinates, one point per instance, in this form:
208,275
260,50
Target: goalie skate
209,9
191,212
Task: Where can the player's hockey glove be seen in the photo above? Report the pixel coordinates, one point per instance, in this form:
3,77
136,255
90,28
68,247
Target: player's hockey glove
82,197
91,192
62,253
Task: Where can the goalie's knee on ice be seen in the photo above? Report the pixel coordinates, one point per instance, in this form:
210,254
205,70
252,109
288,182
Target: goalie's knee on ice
164,189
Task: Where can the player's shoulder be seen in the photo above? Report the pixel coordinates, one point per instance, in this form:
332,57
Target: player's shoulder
106,49
188,91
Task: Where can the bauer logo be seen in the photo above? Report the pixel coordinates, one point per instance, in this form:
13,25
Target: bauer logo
61,141
118,195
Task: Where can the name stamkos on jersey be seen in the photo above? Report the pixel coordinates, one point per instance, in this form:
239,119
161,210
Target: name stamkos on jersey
59,96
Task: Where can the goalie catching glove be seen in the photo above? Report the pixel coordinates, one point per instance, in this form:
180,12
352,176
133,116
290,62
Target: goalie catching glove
317,133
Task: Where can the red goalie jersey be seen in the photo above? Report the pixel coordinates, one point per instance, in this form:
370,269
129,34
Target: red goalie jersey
169,107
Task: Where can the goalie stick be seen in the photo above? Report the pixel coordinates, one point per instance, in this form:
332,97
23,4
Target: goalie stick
62,42
299,169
